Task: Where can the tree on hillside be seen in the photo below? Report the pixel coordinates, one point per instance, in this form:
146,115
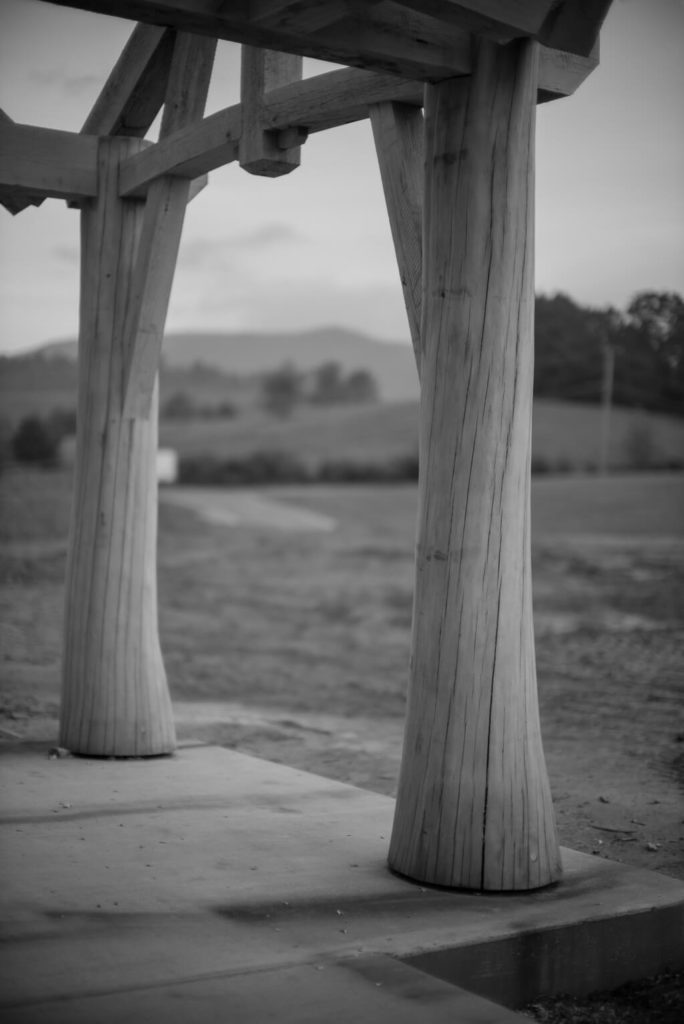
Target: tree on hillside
62,423
567,351
656,322
646,345
5,441
178,406
328,384
34,442
331,387
361,386
281,390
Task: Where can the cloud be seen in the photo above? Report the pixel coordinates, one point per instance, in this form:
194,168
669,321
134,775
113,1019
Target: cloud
221,254
66,253
241,301
72,85
269,234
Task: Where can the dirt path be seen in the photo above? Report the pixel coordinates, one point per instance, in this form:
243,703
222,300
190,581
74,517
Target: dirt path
245,508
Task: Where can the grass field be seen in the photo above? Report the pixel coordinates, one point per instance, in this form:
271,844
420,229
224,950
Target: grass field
313,627
294,646
565,435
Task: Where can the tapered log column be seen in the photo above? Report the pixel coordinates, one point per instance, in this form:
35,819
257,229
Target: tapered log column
474,808
115,698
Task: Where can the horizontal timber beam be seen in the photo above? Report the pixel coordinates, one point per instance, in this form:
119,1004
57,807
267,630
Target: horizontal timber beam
499,20
13,199
162,224
42,162
574,25
387,44
425,41
315,104
186,153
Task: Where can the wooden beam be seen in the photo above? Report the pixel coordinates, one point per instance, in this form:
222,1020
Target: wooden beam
400,147
14,200
499,20
382,49
474,807
430,42
402,41
134,92
186,153
115,699
167,198
328,100
561,73
297,15
42,162
197,185
574,25
315,104
260,150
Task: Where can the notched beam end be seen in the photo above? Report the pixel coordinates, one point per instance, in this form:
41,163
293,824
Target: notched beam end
266,167
15,200
290,138
280,153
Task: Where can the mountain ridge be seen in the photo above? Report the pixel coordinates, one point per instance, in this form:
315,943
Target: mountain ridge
248,353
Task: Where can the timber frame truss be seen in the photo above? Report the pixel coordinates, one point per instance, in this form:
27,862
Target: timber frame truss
450,90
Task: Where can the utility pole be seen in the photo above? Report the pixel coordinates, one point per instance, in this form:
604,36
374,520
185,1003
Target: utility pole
606,403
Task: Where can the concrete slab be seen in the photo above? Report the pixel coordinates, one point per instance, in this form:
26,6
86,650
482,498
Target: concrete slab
134,880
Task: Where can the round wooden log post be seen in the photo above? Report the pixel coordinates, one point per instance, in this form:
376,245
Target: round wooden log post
115,698
474,807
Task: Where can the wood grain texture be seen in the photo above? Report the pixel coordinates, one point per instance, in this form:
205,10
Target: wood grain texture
315,104
162,226
115,699
15,200
260,151
43,162
474,807
499,20
400,146
386,36
574,25
134,91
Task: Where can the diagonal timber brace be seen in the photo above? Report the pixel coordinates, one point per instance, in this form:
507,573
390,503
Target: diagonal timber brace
134,92
161,231
399,141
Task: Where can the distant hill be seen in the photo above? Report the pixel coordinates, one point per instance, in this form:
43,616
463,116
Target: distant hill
249,353
42,381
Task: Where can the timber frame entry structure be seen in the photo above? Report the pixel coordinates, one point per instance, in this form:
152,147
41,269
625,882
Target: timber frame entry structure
450,89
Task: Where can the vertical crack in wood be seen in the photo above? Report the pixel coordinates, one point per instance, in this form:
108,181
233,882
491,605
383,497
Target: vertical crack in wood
473,807
115,698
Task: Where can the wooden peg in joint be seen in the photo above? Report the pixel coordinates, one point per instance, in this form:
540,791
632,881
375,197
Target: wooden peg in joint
261,151
290,138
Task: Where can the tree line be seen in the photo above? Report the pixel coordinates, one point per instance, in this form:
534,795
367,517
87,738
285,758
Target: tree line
286,387
638,353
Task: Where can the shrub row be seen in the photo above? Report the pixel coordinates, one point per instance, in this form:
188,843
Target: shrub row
276,467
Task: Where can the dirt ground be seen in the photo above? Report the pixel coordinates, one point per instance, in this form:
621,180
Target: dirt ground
285,619
290,642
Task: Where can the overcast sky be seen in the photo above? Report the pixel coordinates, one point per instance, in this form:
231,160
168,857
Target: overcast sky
314,247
